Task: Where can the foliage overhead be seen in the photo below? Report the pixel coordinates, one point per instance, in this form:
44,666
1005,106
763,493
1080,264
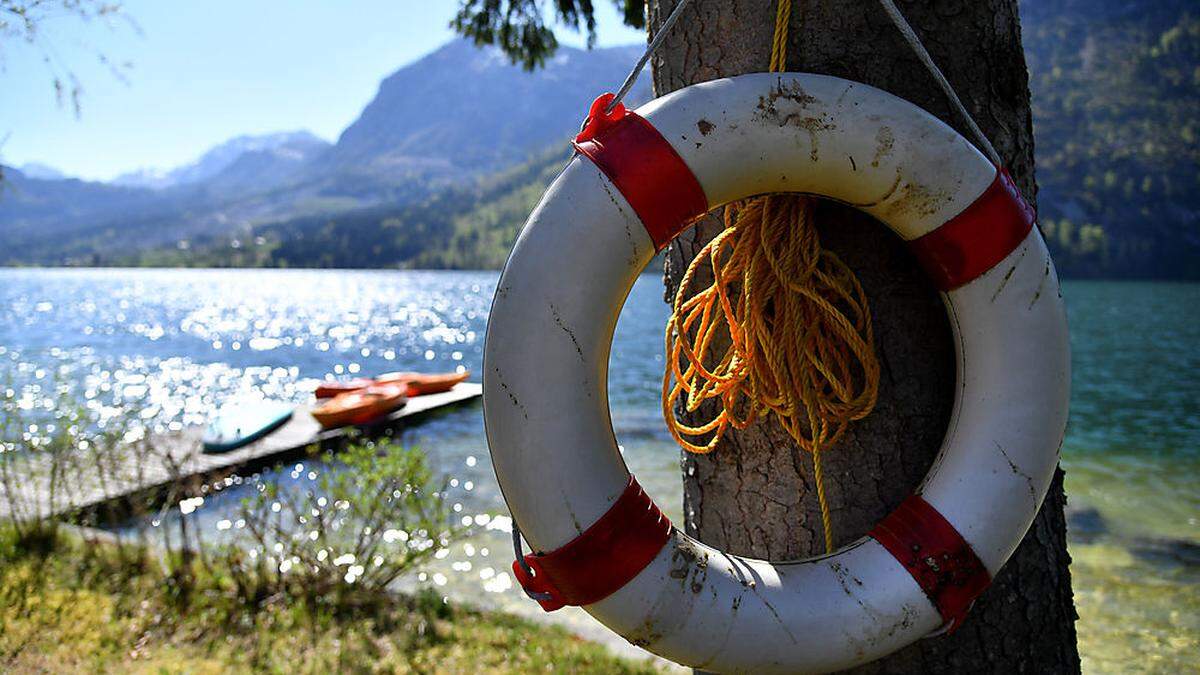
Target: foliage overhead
25,21
518,28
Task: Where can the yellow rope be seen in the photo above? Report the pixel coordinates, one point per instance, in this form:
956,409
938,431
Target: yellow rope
792,322
783,15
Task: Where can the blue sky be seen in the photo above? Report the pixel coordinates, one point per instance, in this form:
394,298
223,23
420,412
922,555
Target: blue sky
204,71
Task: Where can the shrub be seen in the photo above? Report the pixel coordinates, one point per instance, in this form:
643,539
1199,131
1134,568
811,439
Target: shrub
337,542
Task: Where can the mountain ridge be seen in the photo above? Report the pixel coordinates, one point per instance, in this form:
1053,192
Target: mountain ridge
469,125
1116,120
402,148
220,156
39,171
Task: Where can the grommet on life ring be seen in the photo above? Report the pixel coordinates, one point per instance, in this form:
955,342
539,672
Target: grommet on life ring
638,180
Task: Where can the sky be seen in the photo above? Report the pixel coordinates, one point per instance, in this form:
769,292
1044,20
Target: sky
204,71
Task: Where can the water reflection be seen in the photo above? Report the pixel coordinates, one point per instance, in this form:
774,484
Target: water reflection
172,345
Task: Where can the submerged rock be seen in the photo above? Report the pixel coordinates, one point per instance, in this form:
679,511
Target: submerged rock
1085,524
1167,552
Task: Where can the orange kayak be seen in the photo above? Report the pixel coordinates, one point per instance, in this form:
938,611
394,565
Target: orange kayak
360,407
417,384
329,388
420,384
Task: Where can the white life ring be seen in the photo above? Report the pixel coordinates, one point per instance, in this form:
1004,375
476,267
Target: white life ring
601,543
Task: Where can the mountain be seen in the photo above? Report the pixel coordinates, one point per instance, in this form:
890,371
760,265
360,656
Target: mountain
155,179
462,227
64,200
70,221
79,222
267,167
445,121
40,171
467,110
290,148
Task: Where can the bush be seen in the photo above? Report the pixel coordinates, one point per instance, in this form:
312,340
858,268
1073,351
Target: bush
337,543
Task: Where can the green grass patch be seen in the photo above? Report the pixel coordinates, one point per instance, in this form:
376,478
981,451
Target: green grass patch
80,606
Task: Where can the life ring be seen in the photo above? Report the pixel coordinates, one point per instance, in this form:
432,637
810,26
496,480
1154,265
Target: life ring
638,179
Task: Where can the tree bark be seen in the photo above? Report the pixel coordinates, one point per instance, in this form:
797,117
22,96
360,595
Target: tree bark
754,495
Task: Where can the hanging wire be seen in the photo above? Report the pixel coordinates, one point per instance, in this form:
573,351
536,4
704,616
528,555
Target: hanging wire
923,56
655,43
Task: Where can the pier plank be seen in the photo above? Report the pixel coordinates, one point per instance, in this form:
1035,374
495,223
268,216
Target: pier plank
178,458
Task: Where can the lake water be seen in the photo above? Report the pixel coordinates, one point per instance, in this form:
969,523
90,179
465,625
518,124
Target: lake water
175,343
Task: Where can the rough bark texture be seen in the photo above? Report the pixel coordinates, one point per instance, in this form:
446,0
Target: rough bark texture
754,495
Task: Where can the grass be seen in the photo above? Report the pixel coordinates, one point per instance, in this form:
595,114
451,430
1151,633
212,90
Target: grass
298,584
77,606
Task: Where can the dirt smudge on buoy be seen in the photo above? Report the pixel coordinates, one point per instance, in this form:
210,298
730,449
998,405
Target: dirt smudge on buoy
885,141
771,111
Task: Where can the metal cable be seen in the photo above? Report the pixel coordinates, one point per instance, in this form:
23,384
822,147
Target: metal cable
657,41
923,55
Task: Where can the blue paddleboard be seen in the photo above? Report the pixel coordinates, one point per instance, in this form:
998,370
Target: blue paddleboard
239,424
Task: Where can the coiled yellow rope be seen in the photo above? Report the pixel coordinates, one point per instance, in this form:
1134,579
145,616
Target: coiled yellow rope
794,322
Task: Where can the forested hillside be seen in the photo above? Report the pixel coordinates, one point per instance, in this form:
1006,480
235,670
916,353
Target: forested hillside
460,228
1116,98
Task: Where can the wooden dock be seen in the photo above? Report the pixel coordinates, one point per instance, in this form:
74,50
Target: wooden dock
164,464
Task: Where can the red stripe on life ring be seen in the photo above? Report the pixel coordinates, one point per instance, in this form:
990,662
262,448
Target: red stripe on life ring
604,558
936,555
977,239
651,176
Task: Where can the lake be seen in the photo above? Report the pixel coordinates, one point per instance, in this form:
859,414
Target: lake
174,343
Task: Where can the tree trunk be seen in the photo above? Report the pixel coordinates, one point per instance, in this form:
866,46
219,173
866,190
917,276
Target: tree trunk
754,495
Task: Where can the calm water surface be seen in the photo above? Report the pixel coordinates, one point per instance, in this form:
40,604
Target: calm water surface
174,344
